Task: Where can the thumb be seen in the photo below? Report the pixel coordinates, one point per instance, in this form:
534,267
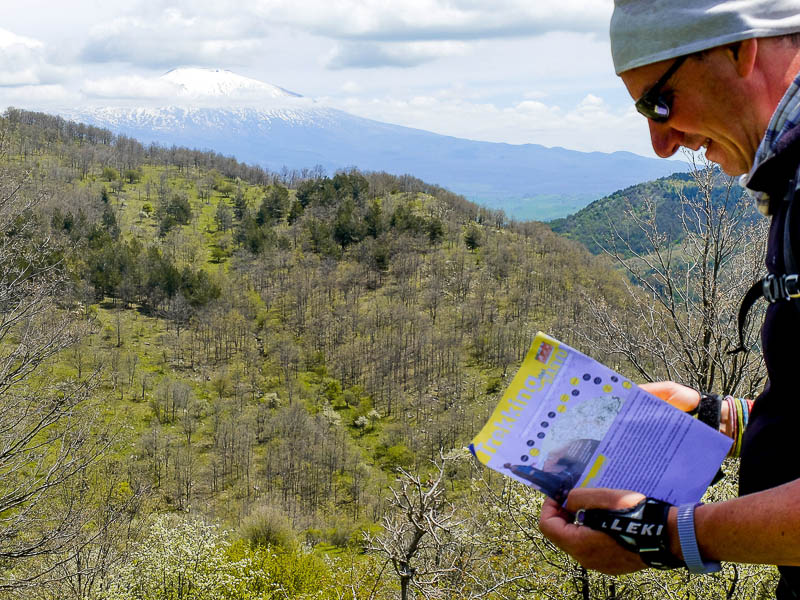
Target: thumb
602,498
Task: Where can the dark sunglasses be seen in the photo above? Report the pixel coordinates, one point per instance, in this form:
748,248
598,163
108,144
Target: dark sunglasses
652,104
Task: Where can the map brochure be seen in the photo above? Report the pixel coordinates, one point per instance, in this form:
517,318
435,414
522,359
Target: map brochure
568,421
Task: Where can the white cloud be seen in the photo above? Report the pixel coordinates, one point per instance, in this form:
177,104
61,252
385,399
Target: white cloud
39,97
437,19
173,38
9,39
592,102
531,107
129,87
24,61
536,94
369,32
367,55
350,87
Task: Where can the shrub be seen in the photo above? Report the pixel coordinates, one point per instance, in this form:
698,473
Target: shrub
110,174
473,236
494,385
398,456
268,526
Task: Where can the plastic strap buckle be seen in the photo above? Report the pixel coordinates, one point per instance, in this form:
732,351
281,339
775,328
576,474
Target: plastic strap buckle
781,287
772,290
790,286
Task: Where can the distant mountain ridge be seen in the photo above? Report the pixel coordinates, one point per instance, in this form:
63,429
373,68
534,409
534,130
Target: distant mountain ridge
266,125
594,225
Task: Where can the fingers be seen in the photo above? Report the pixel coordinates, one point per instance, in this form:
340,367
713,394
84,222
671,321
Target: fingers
601,498
551,508
554,520
593,549
662,389
678,395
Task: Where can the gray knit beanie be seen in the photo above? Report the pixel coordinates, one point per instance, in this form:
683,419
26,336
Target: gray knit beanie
648,31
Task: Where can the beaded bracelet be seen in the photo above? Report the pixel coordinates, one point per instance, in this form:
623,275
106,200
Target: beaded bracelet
738,416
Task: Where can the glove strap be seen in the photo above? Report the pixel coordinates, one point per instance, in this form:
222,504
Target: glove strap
708,409
641,529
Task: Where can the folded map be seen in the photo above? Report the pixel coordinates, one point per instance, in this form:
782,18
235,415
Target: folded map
568,421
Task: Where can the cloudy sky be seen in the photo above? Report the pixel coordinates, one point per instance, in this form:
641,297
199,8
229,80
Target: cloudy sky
517,71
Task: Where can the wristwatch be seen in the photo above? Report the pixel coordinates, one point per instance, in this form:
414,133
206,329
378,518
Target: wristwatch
686,535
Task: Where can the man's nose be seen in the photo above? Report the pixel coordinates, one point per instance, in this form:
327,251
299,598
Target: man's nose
666,140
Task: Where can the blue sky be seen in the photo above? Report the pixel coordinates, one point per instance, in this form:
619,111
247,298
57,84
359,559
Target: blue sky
516,71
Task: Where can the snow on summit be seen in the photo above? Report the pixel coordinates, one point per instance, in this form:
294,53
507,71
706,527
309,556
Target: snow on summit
202,104
221,83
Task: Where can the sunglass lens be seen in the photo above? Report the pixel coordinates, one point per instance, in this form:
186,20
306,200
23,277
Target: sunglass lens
654,110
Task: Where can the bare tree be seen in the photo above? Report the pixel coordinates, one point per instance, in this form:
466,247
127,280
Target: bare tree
415,530
46,439
83,566
684,297
442,551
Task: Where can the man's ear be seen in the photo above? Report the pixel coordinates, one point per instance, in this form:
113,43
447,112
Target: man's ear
743,55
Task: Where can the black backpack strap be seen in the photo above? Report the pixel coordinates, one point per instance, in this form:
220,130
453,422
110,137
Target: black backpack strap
755,292
777,287
773,288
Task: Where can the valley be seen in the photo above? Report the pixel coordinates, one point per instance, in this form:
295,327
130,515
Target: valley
261,375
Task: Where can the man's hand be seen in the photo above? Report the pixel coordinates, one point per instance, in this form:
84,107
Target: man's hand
592,549
685,398
679,396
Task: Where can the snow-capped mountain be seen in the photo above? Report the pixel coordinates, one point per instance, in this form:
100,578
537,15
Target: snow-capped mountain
263,124
204,83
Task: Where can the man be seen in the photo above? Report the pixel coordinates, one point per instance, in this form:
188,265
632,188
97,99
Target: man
720,75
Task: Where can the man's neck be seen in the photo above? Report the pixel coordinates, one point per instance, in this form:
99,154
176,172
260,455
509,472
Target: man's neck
778,64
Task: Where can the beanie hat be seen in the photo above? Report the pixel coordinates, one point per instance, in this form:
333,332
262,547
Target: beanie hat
648,31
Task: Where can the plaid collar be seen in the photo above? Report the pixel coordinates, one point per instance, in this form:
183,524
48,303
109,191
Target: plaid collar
785,118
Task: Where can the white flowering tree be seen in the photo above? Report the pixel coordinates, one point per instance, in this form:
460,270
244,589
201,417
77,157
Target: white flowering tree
188,560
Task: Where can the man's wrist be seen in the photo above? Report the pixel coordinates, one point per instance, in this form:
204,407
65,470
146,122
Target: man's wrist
688,541
672,536
725,425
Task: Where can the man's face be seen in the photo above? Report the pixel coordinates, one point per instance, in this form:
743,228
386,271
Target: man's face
709,109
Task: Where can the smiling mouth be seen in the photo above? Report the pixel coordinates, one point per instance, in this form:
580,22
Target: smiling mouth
701,146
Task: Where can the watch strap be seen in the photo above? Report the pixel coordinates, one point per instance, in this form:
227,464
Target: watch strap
686,535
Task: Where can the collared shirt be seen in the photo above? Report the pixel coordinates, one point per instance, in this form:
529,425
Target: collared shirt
785,117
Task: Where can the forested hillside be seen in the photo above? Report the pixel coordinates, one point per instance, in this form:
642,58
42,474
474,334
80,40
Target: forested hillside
619,214
222,382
